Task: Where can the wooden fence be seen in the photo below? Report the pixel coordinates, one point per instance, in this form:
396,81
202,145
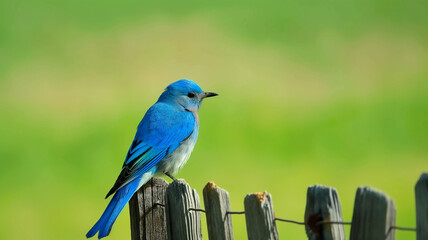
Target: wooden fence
172,211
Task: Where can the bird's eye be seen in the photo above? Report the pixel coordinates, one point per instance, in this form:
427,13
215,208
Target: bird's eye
191,95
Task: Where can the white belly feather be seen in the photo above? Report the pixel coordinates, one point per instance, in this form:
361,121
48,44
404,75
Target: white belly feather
174,162
177,159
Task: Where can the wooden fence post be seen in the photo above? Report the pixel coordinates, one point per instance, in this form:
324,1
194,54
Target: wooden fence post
182,221
260,217
374,214
147,219
322,204
219,223
421,192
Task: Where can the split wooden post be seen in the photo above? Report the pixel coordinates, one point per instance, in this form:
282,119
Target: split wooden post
147,218
219,223
421,192
374,214
260,217
322,204
182,216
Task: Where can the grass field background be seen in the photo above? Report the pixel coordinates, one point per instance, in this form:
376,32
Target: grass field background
332,93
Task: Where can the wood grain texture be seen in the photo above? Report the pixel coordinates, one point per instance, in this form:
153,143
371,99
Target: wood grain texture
374,214
260,217
219,223
421,193
322,204
148,221
182,223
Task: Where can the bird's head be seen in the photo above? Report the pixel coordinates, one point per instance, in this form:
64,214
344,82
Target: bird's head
186,93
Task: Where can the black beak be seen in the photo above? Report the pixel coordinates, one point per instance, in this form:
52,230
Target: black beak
209,94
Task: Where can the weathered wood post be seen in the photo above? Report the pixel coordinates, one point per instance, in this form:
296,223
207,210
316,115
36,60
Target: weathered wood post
182,217
421,192
374,214
260,217
147,218
219,223
322,204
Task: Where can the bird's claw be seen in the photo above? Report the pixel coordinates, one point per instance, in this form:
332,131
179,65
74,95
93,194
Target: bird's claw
170,176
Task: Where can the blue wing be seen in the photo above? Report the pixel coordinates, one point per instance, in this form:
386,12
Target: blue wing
159,133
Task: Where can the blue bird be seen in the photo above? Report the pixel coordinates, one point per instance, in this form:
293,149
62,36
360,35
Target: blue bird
163,143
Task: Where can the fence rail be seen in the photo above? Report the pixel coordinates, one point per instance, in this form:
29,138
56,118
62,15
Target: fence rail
159,210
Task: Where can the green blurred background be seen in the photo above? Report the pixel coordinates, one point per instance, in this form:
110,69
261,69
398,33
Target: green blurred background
313,92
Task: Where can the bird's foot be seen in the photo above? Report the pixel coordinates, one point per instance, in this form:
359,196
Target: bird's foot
170,176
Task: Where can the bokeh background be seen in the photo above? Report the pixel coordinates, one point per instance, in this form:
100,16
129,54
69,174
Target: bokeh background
313,92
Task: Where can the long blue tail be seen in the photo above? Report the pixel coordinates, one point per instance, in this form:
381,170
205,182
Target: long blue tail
113,209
